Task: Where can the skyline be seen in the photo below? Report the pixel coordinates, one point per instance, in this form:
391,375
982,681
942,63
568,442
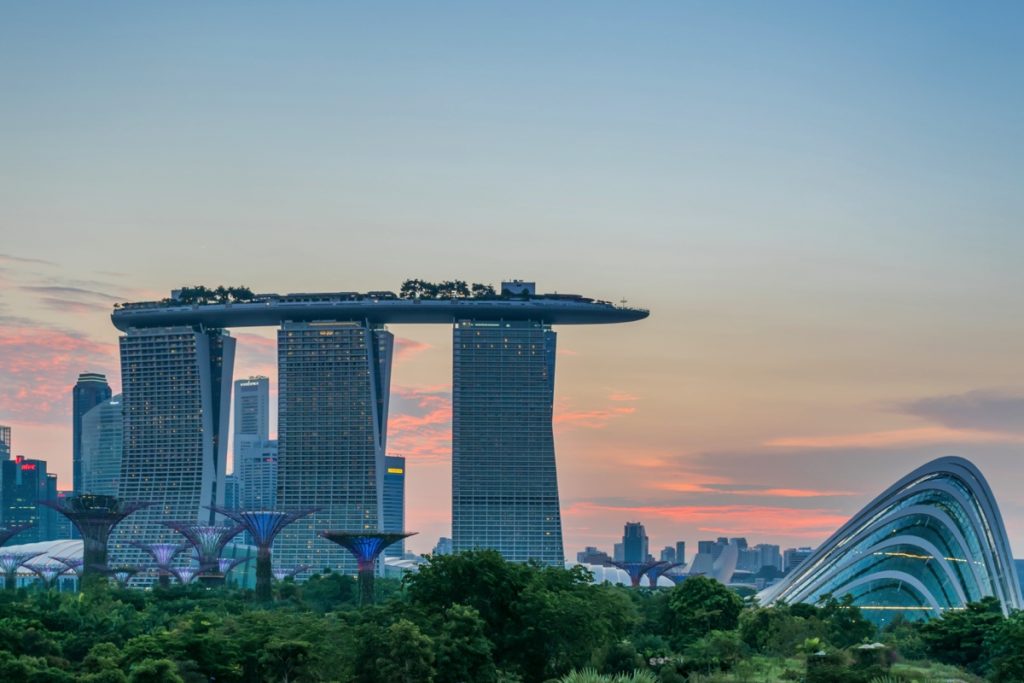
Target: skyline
817,204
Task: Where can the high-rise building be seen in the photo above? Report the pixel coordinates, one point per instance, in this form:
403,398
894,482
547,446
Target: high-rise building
619,552
768,555
251,432
504,481
681,552
792,558
394,502
24,484
443,546
5,442
333,397
101,447
668,554
89,391
232,492
256,472
635,542
176,400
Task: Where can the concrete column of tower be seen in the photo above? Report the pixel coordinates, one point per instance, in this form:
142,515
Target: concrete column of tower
504,479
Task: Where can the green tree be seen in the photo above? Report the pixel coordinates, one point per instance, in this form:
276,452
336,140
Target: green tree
958,637
284,660
463,651
844,622
699,606
1004,647
714,651
407,655
155,671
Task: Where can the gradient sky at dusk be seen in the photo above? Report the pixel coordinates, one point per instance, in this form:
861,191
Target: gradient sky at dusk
819,202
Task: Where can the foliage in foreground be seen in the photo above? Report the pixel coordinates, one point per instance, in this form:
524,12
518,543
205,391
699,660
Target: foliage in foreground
474,617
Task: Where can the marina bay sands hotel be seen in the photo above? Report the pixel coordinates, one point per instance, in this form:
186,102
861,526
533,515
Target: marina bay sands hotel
334,365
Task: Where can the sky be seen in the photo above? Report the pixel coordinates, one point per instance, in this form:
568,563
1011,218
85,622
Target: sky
819,203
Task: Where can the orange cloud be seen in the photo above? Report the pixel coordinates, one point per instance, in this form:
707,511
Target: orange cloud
407,349
420,423
685,487
896,437
622,396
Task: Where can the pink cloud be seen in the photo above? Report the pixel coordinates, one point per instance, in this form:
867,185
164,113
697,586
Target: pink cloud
591,419
686,487
420,423
622,396
40,365
407,349
896,437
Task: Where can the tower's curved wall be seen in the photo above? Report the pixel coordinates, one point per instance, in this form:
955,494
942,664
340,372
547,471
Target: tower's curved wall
933,541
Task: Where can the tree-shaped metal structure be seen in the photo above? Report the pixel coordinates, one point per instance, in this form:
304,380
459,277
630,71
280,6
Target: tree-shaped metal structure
9,563
94,517
637,570
654,573
122,573
226,564
263,526
72,563
47,571
8,532
163,554
366,547
208,542
282,573
185,574
676,578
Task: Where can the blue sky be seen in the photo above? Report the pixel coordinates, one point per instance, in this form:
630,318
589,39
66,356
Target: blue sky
819,202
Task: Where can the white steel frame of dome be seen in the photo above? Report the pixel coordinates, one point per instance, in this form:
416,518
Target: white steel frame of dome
934,540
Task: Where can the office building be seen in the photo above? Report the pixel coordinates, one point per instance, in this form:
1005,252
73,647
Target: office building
332,428
175,402
249,437
89,391
443,546
668,554
681,552
23,484
591,555
394,502
101,444
5,442
619,552
232,492
768,555
504,481
635,542
793,557
256,472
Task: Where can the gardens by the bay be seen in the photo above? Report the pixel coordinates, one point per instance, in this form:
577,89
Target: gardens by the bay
469,617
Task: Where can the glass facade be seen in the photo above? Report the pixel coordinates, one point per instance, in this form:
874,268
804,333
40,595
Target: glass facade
89,391
934,541
394,503
332,428
175,401
504,482
102,442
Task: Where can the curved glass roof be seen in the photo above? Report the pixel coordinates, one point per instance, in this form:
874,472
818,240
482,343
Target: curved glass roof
933,541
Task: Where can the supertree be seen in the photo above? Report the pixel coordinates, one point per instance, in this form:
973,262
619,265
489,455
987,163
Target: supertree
9,563
94,517
676,578
74,564
226,564
7,532
654,573
263,526
122,573
185,574
282,573
366,547
637,570
208,543
163,554
47,571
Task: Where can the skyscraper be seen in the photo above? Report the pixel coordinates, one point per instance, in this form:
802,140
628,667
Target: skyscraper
101,447
24,484
256,471
504,481
334,382
232,492
176,400
681,552
5,442
251,428
394,502
90,390
635,542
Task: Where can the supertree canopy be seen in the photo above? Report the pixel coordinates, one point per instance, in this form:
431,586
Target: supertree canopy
208,541
185,574
637,570
122,573
94,517
163,554
9,563
654,573
226,564
263,526
72,563
366,547
8,532
47,571
282,573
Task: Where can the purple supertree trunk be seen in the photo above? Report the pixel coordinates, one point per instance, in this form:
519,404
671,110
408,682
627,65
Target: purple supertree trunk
366,547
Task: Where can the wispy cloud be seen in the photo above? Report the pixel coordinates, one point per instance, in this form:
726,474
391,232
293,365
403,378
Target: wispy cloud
750,491
64,290
566,416
992,410
622,396
39,366
407,349
420,422
895,437
10,258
